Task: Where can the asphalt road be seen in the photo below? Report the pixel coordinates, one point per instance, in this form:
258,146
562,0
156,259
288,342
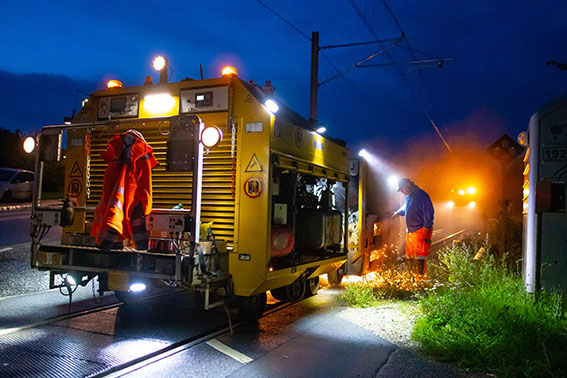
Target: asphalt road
16,275
15,227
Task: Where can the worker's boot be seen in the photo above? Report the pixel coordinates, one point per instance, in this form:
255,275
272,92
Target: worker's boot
421,267
411,265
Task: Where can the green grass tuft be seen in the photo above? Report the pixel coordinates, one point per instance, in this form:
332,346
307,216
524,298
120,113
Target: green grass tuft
480,315
359,295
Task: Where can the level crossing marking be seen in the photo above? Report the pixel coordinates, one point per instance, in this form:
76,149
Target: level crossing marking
242,358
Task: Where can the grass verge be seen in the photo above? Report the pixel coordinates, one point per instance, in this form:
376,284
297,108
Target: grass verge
479,314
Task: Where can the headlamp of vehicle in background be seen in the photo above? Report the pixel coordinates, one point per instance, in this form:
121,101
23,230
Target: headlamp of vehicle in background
211,136
29,144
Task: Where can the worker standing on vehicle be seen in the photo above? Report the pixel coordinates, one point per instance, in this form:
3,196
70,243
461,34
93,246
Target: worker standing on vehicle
418,211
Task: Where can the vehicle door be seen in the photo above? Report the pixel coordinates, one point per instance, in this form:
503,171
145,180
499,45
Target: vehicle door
22,185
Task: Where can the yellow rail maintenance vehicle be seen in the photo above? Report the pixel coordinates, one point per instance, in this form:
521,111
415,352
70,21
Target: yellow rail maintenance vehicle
241,200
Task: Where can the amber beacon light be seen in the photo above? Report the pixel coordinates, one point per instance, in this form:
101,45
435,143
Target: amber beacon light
229,71
114,84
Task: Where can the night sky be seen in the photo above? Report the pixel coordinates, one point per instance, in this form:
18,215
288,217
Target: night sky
497,79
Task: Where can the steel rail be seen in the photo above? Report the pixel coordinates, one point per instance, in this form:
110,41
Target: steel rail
73,315
180,346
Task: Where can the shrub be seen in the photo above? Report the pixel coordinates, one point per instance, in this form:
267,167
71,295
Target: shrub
480,315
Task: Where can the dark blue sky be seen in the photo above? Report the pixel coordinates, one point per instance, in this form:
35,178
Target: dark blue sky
497,80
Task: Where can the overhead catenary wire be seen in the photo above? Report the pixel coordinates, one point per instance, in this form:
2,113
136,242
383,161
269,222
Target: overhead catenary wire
411,51
364,98
377,38
283,19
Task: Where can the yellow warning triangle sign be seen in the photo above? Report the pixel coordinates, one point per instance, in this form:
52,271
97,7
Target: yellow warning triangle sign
254,165
76,171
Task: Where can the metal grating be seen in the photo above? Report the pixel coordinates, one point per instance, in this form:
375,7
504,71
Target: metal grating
173,188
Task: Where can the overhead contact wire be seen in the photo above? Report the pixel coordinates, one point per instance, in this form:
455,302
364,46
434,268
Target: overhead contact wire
364,98
377,38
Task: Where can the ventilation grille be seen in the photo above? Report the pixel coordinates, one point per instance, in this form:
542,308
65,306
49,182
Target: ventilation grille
174,188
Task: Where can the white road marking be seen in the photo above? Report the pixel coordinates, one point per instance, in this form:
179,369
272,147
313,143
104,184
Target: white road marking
5,249
242,358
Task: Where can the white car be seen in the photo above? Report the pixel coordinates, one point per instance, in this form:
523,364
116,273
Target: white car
15,184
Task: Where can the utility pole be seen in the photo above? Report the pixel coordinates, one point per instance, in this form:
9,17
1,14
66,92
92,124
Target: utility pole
314,76
315,65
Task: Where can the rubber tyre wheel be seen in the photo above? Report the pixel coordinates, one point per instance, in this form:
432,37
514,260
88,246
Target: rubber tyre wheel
336,276
252,308
312,286
279,293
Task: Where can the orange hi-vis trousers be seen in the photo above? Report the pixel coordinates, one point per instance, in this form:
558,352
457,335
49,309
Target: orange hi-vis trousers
418,243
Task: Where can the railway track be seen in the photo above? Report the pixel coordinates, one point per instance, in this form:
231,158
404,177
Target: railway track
112,340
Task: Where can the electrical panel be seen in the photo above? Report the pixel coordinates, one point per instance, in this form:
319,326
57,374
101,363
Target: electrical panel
204,100
124,106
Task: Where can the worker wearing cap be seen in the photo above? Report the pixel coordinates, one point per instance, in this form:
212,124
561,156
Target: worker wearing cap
418,211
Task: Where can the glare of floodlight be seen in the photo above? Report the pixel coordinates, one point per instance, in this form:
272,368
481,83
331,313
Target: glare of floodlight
393,181
137,287
272,106
321,129
363,153
70,280
159,63
29,144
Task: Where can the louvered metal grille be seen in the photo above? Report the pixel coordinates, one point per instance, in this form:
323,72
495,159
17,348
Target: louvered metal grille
173,188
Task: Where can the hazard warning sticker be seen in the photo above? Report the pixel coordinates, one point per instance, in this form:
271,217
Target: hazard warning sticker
253,187
76,171
254,165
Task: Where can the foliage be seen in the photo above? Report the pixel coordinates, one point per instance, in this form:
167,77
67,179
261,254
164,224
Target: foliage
359,295
12,154
479,314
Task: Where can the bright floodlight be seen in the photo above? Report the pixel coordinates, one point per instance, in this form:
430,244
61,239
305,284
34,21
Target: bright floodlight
211,136
159,63
29,144
321,129
461,192
137,287
471,205
471,190
363,153
159,104
450,204
393,181
271,105
70,280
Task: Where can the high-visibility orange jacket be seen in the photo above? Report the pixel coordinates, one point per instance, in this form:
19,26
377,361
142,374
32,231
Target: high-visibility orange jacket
127,183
